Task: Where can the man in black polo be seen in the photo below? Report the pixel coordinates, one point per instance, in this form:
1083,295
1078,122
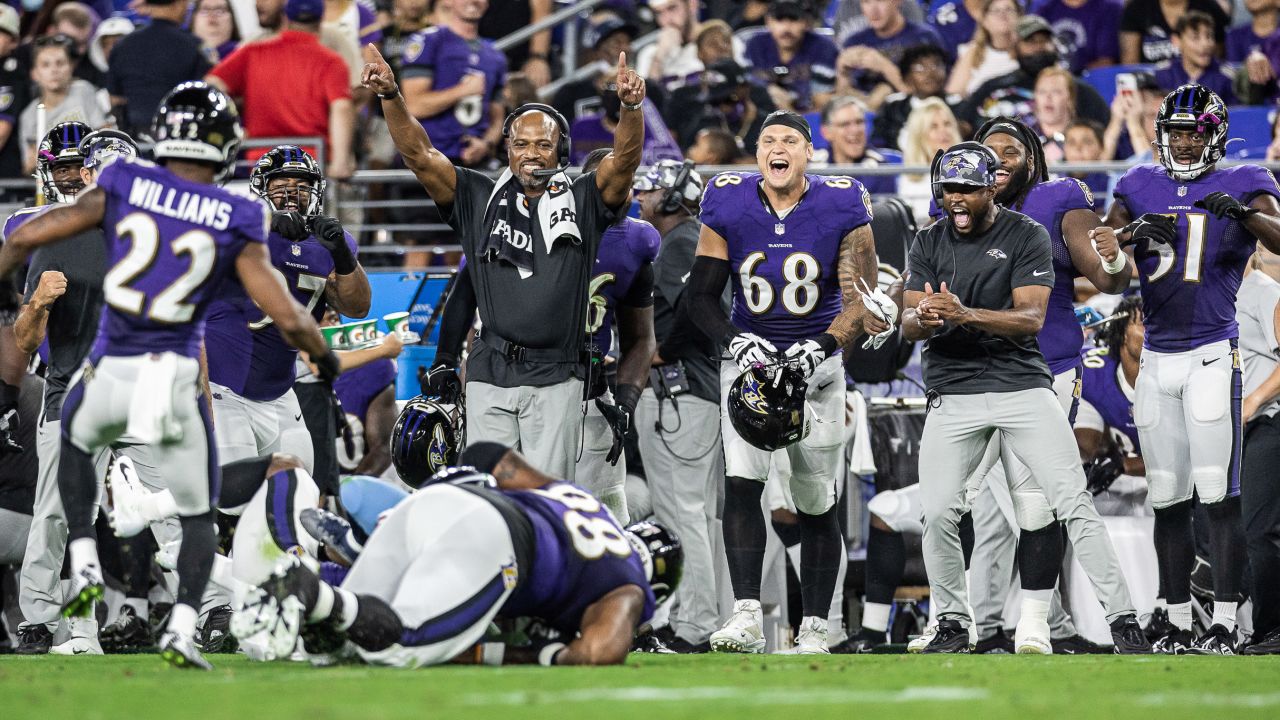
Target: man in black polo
149,62
978,284
530,240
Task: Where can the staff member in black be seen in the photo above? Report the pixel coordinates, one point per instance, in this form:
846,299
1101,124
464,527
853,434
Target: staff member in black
530,239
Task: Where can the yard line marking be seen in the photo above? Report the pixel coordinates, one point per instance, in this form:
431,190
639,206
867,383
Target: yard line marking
1252,700
767,696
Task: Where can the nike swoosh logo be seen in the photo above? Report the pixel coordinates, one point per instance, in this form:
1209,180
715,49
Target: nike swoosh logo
80,651
297,417
1209,362
824,386
1038,274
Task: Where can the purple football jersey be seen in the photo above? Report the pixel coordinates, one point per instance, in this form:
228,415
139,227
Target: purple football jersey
356,389
891,47
1086,33
1061,337
785,283
580,555
170,244
1189,290
812,70
952,21
624,249
445,57
246,351
1103,389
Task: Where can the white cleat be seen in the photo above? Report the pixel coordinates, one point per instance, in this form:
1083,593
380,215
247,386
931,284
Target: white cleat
180,651
127,496
1032,638
83,640
812,639
922,641
744,632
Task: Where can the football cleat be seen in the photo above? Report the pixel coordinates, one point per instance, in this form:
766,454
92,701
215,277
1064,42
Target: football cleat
86,589
1177,642
812,638
1158,625
1077,645
997,643
83,640
277,609
128,634
333,532
1217,640
34,640
1268,644
680,646
180,651
861,643
1031,637
950,637
744,631
1127,637
921,641
127,494
651,643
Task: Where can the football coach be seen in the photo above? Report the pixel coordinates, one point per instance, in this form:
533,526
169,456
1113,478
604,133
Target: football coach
530,241
978,283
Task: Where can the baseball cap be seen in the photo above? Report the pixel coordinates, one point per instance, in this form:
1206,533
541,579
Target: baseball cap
304,11
726,77
789,10
597,33
1031,24
968,163
9,20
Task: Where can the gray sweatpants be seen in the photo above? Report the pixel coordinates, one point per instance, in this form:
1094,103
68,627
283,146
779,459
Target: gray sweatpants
685,470
14,529
1034,428
543,423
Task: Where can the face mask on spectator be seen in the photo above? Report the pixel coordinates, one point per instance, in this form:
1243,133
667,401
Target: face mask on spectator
1033,64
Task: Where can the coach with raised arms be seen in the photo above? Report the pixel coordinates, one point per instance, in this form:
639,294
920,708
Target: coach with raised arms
530,240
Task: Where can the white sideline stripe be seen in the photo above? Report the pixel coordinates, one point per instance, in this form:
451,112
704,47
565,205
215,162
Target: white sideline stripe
1252,700
768,696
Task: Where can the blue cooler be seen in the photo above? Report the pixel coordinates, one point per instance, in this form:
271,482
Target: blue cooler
413,357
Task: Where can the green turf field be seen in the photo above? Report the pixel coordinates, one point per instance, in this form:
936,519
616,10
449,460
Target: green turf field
653,687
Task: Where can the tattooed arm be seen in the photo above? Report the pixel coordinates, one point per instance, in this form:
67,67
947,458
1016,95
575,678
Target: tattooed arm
857,263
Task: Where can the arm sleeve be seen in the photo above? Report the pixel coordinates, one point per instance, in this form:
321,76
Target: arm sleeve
706,283
455,321
1034,262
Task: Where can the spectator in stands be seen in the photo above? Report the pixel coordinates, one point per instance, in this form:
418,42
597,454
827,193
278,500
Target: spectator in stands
452,83
1055,102
271,18
844,125
407,18
77,21
356,18
954,21
592,132
714,42
1133,121
990,53
65,98
214,24
105,38
795,64
606,38
318,97
137,79
924,71
1196,60
723,98
1012,95
15,92
532,57
888,34
1084,143
1273,150
930,127
1087,30
1245,39
674,55
849,18
716,146
1146,27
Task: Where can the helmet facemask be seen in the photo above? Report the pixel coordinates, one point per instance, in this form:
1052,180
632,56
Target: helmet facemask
305,195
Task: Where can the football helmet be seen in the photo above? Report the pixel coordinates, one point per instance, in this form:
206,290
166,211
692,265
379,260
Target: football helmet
289,161
767,407
1199,109
462,475
103,146
61,146
661,554
683,185
426,439
198,122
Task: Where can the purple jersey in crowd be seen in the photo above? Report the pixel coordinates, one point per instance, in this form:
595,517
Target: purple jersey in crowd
356,389
589,133
1061,337
170,244
891,47
1189,290
246,352
1085,34
580,555
1241,41
1105,390
952,21
1170,75
792,287
624,249
444,57
811,71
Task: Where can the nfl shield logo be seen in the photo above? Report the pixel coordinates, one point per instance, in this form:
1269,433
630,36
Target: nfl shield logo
779,229
1182,191
295,249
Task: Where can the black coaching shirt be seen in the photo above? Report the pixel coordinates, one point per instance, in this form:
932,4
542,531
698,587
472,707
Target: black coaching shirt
982,270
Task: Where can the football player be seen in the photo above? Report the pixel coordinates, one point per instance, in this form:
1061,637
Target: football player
173,236
797,246
1105,430
251,367
453,557
1193,226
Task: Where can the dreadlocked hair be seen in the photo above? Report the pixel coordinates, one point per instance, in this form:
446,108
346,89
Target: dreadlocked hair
1111,334
1030,140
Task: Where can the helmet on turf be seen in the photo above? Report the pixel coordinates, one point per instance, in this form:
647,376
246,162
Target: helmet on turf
289,161
1198,109
426,439
767,408
61,146
198,122
103,146
661,554
462,475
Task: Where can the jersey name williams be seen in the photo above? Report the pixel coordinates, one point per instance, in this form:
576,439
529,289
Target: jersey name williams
180,205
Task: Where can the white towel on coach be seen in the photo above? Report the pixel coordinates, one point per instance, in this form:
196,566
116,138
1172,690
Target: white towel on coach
861,460
151,413
556,208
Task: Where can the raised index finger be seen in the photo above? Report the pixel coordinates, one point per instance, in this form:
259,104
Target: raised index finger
371,54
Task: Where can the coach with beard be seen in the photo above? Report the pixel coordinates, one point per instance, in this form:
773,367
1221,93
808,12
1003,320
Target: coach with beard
530,241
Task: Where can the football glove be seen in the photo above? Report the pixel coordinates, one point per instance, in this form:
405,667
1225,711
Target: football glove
1103,470
442,381
328,232
750,349
1152,227
807,355
327,367
619,419
9,423
1223,205
883,308
290,225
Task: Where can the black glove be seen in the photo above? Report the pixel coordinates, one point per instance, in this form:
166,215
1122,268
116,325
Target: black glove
1223,205
290,225
327,366
328,232
619,416
9,422
1153,227
1103,470
441,381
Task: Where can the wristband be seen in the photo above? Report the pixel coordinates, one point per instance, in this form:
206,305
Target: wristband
1114,267
391,95
828,343
629,106
547,655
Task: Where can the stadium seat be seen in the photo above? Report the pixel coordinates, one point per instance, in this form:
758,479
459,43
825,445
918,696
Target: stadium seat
1103,79
1250,127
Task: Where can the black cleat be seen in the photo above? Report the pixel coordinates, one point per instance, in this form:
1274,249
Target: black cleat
1158,625
34,640
1077,645
861,643
1177,642
215,635
651,643
950,638
1268,644
680,646
1217,640
1127,637
128,634
997,643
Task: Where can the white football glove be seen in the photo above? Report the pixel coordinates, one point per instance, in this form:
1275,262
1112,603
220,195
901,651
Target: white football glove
883,308
806,356
748,349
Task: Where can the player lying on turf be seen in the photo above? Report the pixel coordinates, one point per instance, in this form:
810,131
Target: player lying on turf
452,558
